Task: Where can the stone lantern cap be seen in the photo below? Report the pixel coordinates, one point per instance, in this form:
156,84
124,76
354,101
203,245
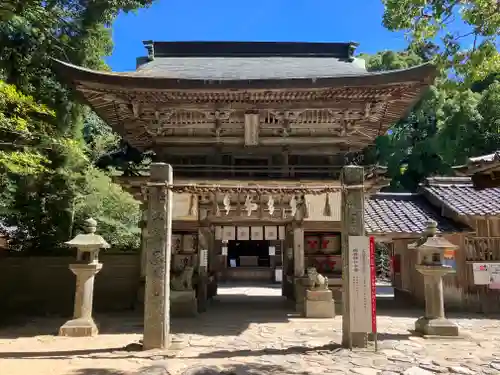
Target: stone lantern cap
429,241
88,240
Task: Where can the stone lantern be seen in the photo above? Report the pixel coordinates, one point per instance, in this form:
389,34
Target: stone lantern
85,268
430,254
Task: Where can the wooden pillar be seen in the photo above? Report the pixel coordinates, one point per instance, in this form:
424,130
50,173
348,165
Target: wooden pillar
204,244
159,245
298,252
298,267
352,225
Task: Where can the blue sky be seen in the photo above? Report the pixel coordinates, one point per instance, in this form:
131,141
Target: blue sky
252,20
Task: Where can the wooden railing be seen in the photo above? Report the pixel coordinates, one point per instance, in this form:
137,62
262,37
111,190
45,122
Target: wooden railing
482,248
305,171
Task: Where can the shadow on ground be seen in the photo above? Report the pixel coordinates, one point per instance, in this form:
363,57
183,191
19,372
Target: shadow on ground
98,371
227,315
235,369
125,353
301,350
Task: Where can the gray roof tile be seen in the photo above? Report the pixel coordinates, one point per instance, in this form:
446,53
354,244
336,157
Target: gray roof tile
459,195
403,213
231,68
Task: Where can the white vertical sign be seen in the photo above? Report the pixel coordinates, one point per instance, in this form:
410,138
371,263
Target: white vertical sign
204,258
360,284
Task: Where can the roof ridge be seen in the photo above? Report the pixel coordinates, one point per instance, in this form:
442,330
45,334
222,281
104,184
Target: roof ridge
447,181
197,48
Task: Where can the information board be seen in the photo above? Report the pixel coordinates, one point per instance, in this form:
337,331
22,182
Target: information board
360,284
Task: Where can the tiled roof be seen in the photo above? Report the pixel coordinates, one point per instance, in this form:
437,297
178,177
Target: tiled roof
249,60
459,195
479,164
229,68
403,213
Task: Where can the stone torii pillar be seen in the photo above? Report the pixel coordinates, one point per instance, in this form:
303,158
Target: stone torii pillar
353,201
143,252
158,258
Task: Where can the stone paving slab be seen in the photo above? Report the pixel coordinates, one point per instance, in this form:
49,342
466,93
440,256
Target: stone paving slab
261,338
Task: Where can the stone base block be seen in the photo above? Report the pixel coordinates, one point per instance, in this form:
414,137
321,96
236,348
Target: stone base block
183,303
300,286
319,304
79,328
436,327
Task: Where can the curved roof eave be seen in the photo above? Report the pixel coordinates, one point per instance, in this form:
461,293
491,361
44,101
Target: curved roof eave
424,73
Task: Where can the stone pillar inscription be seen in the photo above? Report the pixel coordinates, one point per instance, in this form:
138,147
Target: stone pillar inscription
352,225
157,291
143,253
144,237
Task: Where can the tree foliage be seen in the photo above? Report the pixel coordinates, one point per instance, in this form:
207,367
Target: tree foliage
49,141
53,151
464,34
449,124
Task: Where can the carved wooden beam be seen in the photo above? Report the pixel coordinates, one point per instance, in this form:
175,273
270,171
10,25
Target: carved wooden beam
264,141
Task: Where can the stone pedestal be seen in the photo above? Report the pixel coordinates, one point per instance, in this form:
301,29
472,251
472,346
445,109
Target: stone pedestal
183,303
434,322
436,327
82,324
319,304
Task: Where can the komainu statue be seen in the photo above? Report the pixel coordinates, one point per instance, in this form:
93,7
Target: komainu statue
182,281
317,281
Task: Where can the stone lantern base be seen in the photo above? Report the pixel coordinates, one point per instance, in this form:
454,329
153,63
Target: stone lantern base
436,327
79,328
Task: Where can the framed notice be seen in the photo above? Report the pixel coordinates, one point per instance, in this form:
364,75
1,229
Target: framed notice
481,272
272,250
224,250
271,233
360,288
228,233
494,273
243,233
257,233
486,274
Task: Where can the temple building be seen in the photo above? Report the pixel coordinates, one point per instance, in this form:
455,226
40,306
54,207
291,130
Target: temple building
484,170
275,115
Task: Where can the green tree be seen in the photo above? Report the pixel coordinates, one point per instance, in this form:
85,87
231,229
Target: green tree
42,205
409,149
115,210
464,33
450,124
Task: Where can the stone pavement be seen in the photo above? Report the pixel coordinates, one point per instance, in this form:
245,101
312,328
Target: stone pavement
253,334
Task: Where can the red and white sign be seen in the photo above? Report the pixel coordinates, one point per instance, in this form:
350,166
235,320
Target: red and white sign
362,293
373,277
